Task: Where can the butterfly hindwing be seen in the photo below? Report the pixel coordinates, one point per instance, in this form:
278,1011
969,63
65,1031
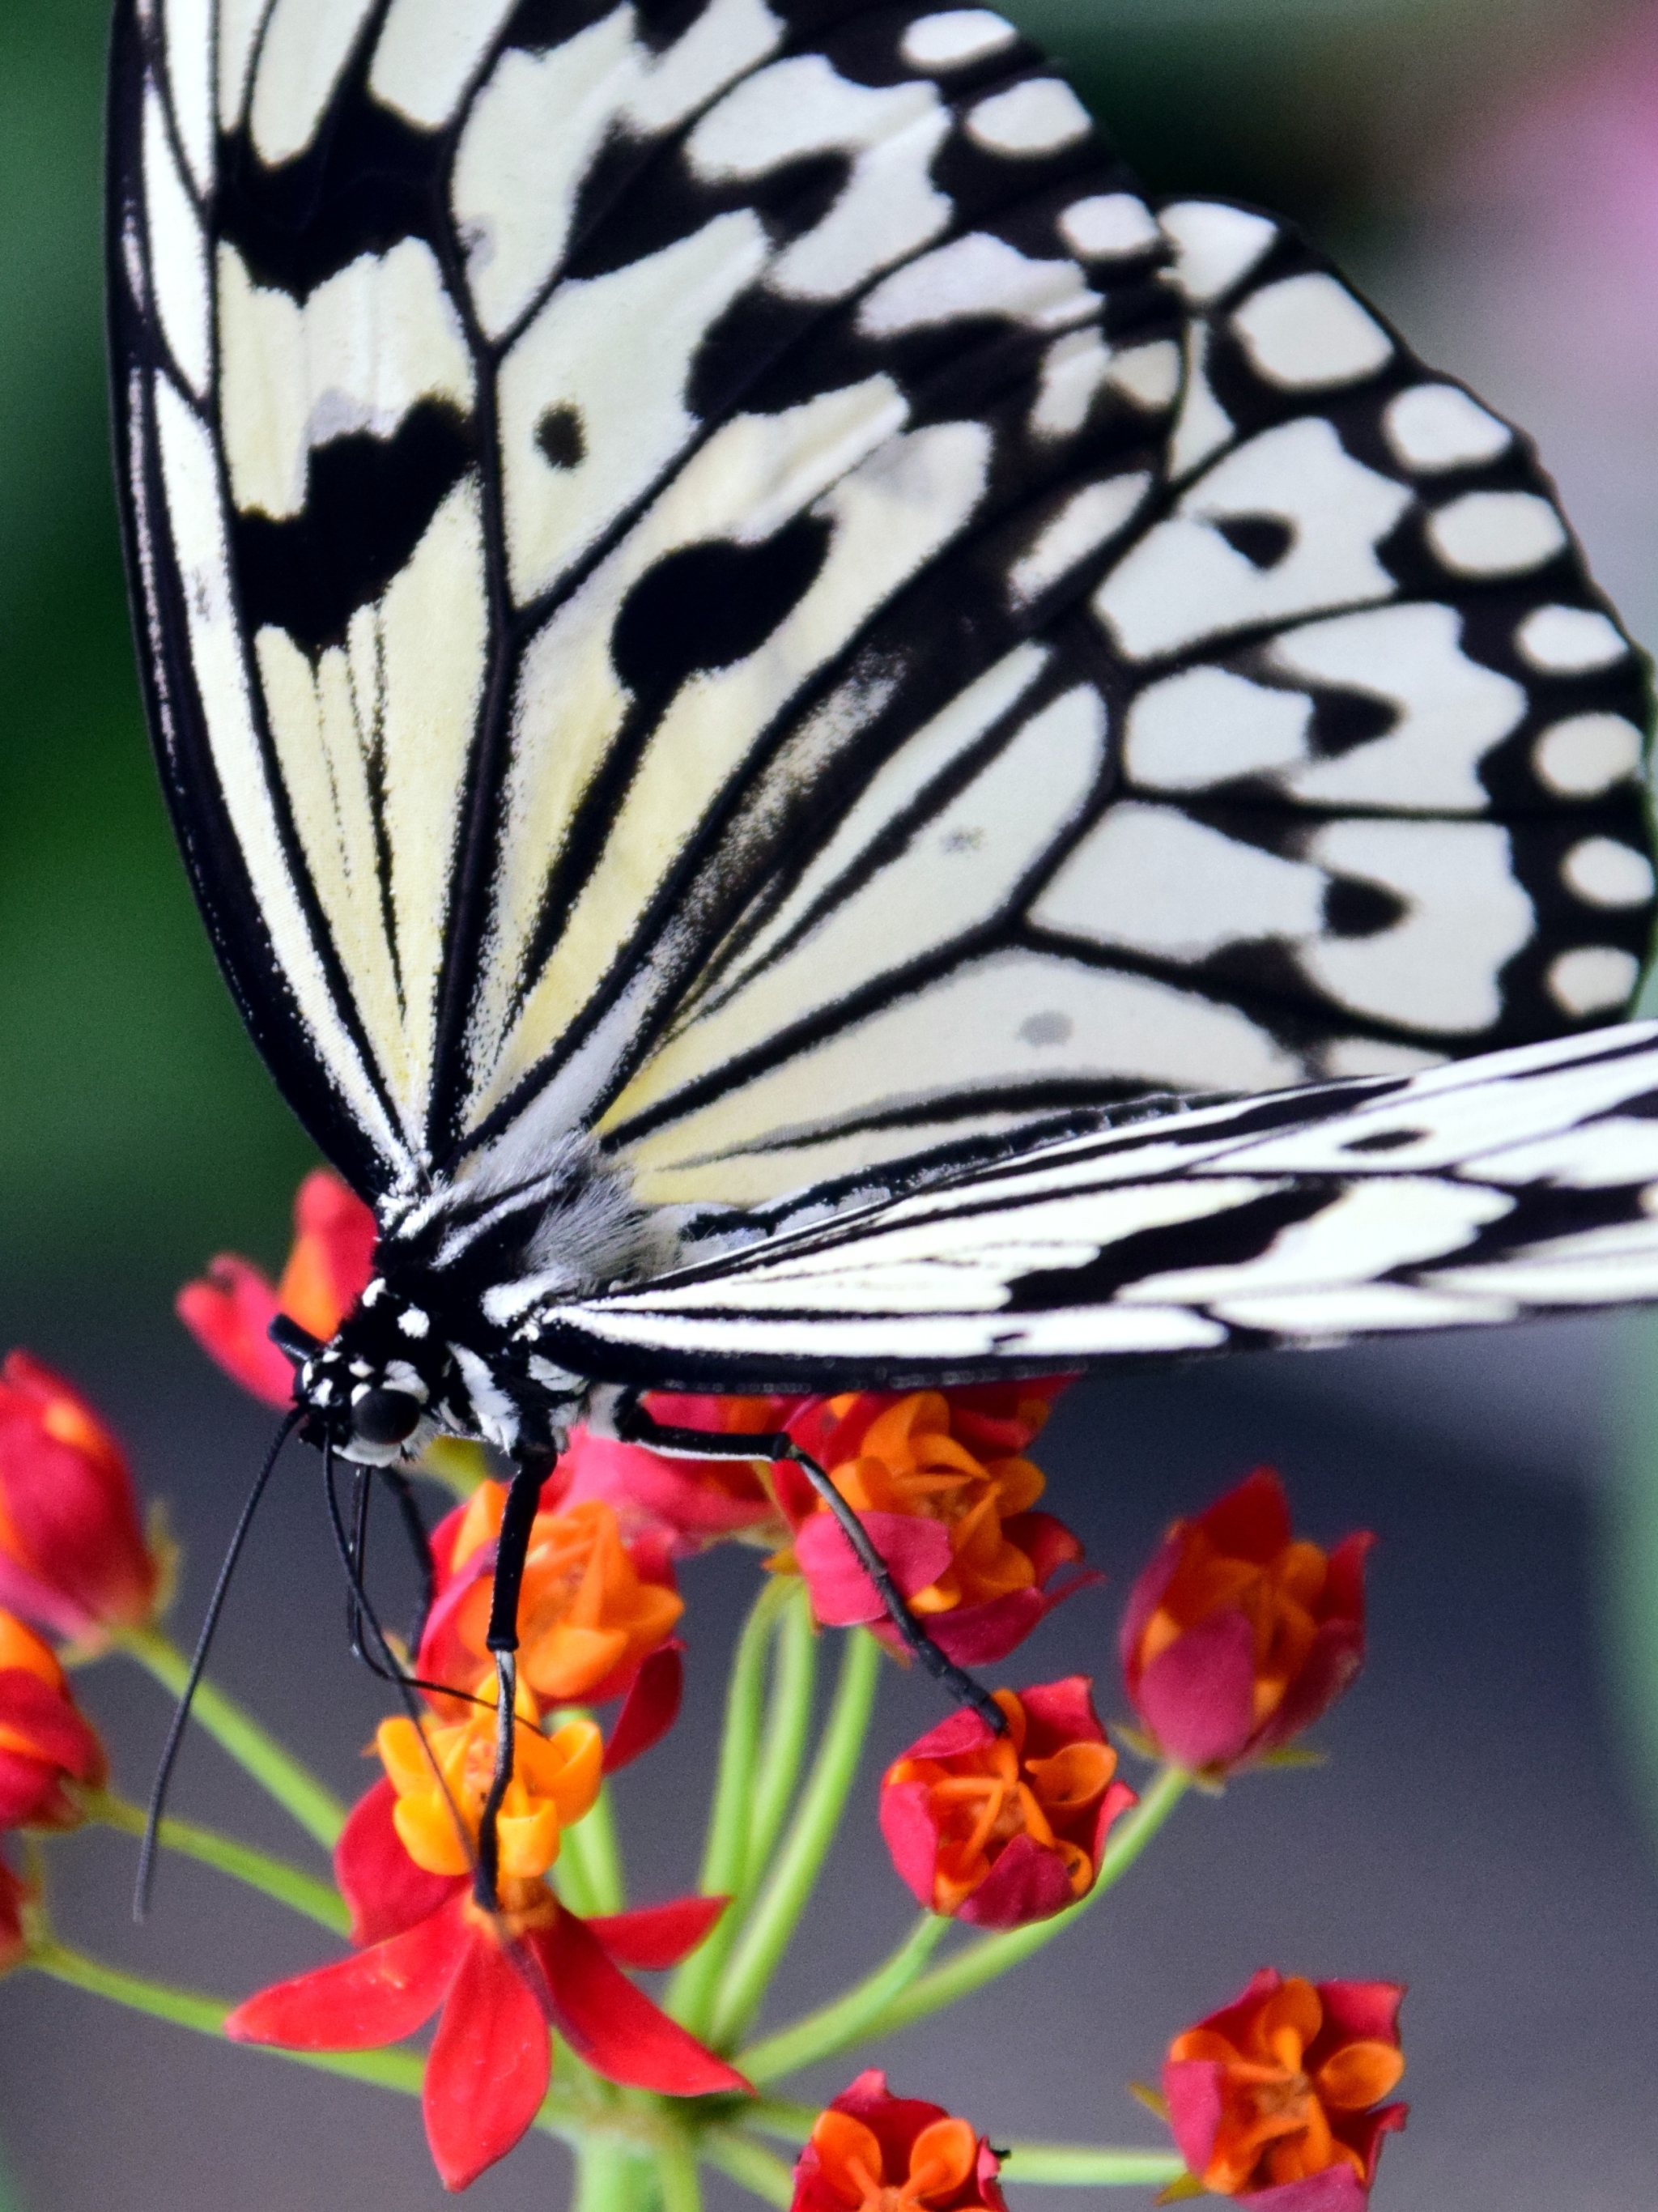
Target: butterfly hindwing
1520,1184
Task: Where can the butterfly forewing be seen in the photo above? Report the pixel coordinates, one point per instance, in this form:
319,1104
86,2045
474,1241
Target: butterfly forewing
716,572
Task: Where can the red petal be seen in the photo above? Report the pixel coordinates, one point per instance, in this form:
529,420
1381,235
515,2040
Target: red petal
384,1887
1236,2020
378,1997
1193,2090
1028,1882
1361,2012
1344,1586
1144,1599
1117,1800
655,1935
1365,2132
1252,1522
650,1708
54,1730
1327,1672
982,1635
490,2061
614,2028
1338,2189
1057,1713
1046,1542
327,1208
228,1315
912,1837
895,2122
30,1790
916,1550
1198,1697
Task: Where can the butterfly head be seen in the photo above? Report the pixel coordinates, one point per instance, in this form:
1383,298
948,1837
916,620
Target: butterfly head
373,1389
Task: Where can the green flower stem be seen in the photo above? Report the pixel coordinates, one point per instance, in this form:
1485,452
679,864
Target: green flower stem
1079,2166
678,2186
300,1892
794,1871
595,1840
834,2026
388,2070
982,1961
779,2117
295,1787
788,1726
752,2167
692,1993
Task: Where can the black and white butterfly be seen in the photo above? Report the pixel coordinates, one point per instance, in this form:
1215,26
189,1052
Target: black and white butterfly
751,651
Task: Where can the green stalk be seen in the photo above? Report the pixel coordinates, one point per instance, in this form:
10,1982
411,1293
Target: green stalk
991,1955
692,1992
678,2186
794,1871
300,1892
594,1839
752,2167
293,1786
779,2117
788,1726
1079,2166
388,2069
832,2026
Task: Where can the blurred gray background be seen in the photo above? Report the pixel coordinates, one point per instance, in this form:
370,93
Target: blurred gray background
1486,1827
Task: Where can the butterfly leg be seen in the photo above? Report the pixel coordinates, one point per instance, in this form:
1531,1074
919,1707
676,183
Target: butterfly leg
511,1549
634,1426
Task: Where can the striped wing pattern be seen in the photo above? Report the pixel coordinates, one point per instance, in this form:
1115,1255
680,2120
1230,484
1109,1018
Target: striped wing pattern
1519,1183
715,573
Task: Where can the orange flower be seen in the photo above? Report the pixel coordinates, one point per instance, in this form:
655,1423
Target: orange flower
230,1312
1005,1830
554,1782
1277,2097
73,1558
44,1740
940,1481
588,1617
1238,1635
873,2152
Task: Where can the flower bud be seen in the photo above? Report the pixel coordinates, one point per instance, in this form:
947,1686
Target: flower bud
1237,1636
1276,2098
73,1559
1003,1830
45,1741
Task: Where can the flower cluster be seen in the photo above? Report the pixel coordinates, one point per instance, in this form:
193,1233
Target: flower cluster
471,1899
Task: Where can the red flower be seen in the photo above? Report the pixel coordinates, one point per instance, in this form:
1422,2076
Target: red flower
689,1503
73,1559
1276,2098
591,1610
229,1313
1237,1636
44,1740
1003,1830
939,1480
872,2152
496,1981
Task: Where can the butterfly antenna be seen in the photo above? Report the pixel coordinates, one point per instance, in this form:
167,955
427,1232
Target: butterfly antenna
635,1426
146,1876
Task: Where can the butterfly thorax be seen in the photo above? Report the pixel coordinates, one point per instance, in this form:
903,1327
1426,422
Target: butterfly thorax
444,1339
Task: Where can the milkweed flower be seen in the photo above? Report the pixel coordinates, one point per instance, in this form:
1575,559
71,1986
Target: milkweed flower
939,1480
498,1980
1238,1635
73,1559
1276,2098
1004,1830
872,2152
229,1312
46,1740
689,1503
592,1608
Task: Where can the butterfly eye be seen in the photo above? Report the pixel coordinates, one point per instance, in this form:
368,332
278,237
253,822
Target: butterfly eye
384,1417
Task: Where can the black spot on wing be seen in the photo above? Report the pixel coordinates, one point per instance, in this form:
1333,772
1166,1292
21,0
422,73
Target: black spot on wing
1228,1239
1356,908
561,438
710,605
1262,539
368,503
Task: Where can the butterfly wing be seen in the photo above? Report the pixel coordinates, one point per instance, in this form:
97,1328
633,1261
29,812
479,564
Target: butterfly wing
697,575
1521,1183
